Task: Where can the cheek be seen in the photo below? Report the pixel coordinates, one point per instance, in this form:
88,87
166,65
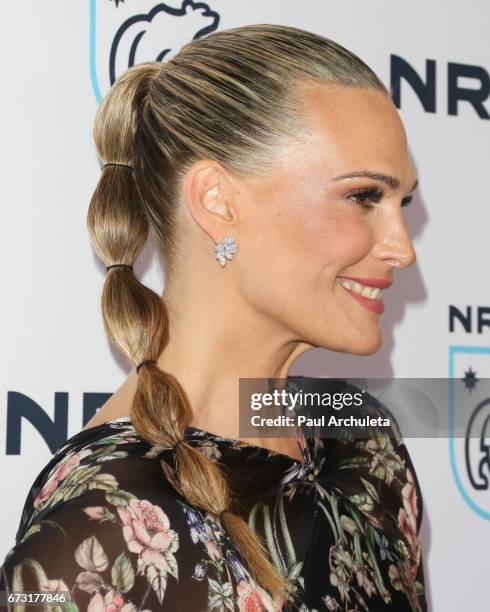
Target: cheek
292,253
321,241
334,242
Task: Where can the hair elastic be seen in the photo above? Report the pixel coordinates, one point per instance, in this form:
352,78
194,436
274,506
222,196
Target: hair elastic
117,164
146,362
119,266
177,444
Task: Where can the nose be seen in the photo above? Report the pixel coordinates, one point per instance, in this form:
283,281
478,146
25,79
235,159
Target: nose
395,246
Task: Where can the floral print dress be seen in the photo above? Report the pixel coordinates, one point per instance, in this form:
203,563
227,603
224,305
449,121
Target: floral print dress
105,521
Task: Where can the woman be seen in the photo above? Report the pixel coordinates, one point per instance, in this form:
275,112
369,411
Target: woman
270,167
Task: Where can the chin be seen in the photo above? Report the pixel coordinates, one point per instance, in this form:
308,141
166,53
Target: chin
361,345
366,351
355,342
367,345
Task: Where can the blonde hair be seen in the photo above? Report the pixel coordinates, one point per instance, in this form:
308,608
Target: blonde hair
232,96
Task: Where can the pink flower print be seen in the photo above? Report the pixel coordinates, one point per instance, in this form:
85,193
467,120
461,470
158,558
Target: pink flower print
407,579
212,550
66,467
112,601
407,520
409,495
46,492
71,461
252,598
209,539
147,532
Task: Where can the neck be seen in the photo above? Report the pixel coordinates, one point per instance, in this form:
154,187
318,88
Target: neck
208,353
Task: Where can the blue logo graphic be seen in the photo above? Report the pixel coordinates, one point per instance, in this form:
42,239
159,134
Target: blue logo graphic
470,455
119,38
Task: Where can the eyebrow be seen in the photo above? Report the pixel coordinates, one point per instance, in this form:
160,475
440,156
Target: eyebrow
391,181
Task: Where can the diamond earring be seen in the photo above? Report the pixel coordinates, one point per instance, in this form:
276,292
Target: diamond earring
225,250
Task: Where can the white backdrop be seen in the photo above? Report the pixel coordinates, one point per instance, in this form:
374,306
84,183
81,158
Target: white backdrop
55,58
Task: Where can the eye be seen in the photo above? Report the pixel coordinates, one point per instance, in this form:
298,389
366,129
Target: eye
366,197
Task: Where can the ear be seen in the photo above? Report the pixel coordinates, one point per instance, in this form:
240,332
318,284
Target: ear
208,194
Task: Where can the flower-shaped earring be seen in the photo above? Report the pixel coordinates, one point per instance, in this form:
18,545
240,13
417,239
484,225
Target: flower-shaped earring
225,250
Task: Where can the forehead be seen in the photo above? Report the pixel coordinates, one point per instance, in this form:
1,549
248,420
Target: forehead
350,129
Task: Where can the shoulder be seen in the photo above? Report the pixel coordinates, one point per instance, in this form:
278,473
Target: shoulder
104,523
106,493
103,466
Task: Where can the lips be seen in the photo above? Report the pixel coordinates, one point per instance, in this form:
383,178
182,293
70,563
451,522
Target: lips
352,284
382,283
377,306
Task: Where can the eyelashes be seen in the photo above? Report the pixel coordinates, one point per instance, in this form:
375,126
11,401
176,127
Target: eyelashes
366,197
